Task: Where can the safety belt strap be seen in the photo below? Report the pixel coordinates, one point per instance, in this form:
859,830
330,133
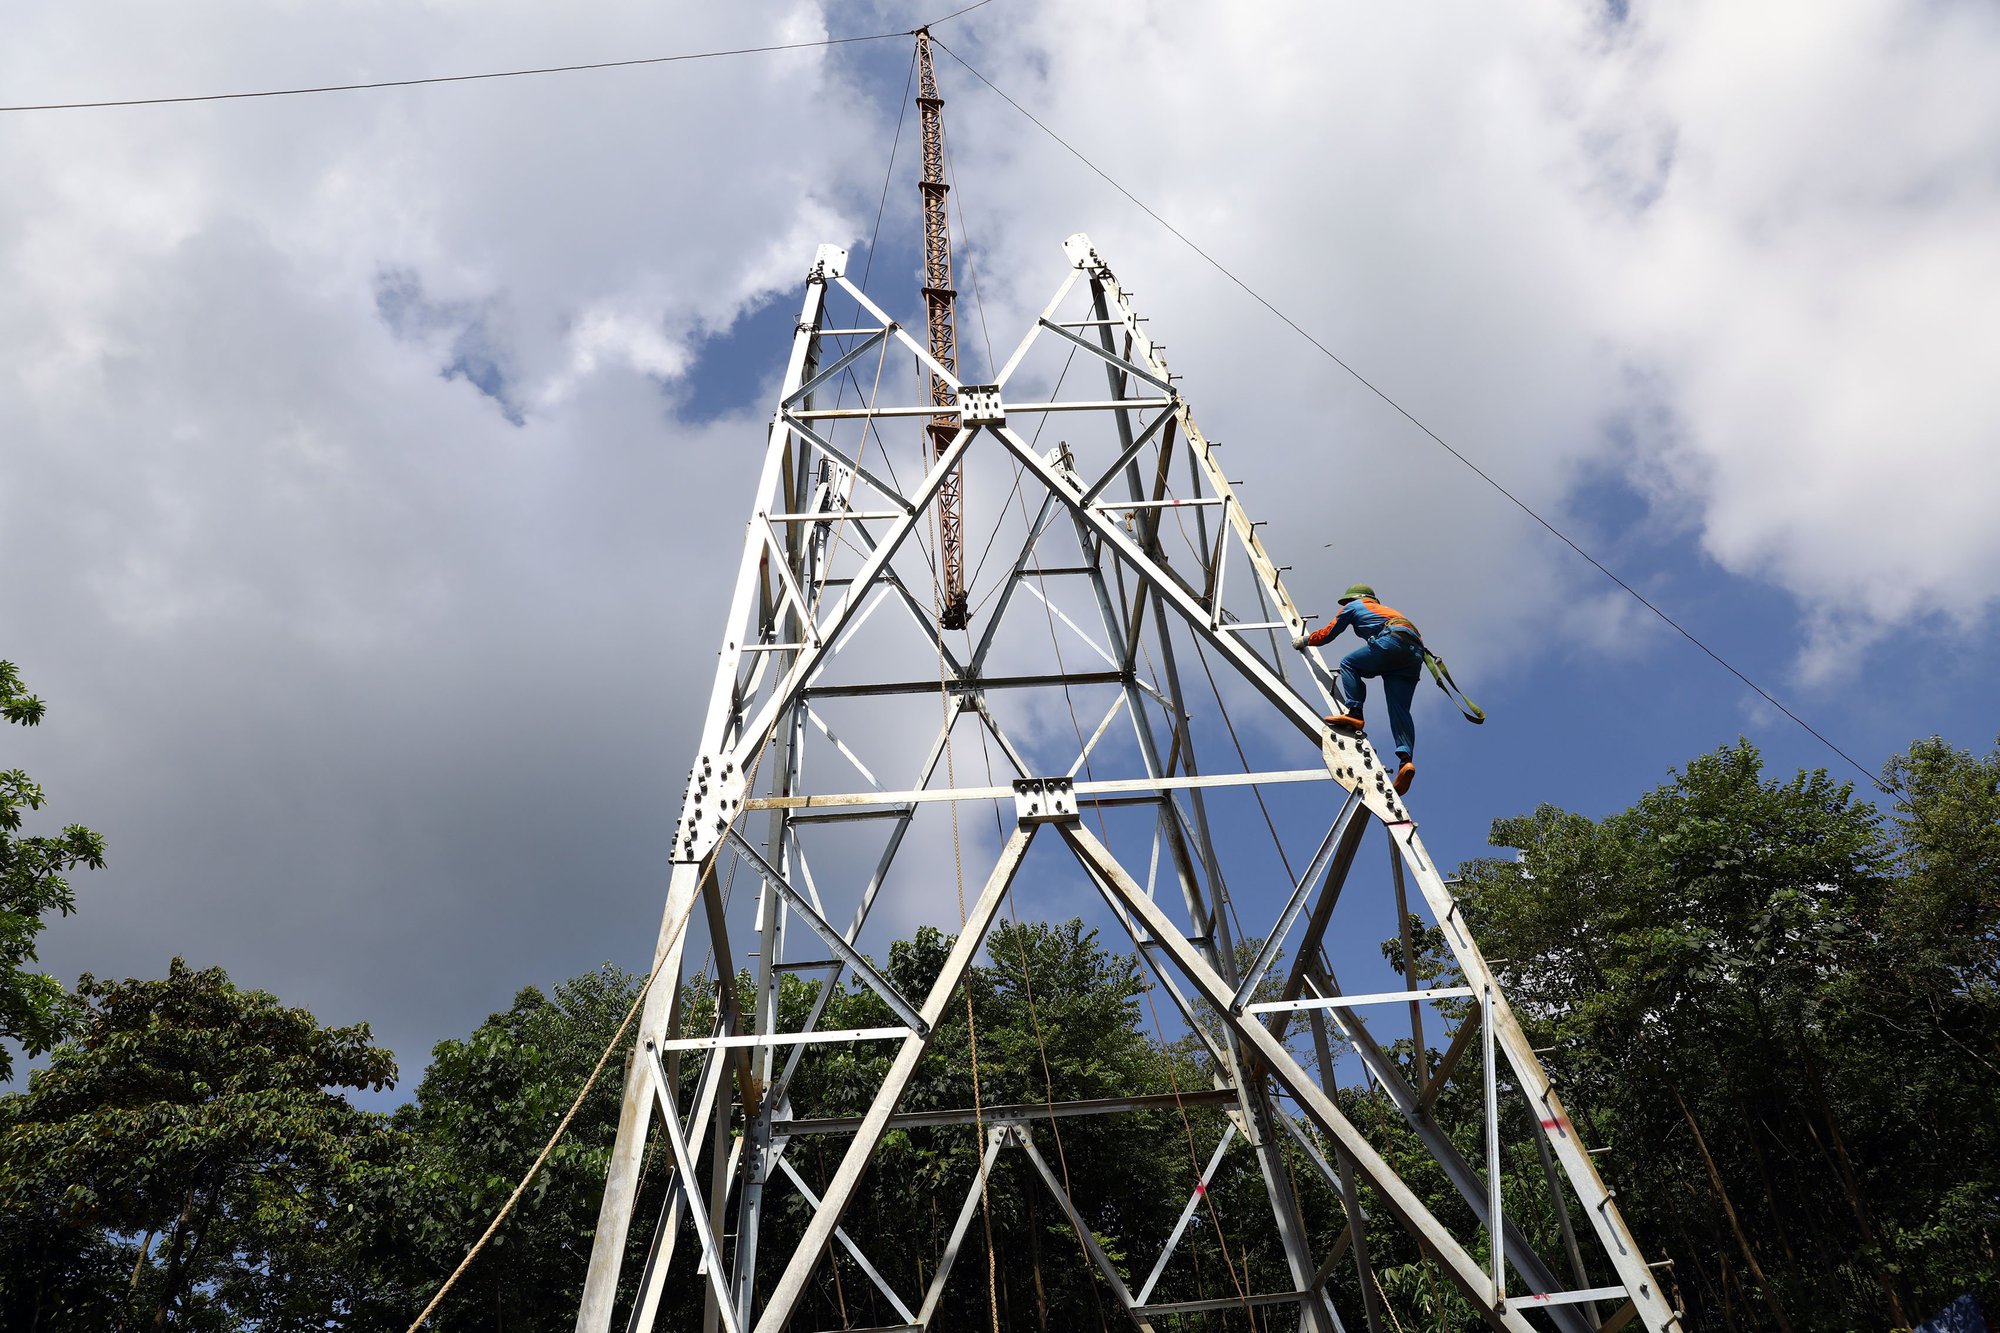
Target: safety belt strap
1442,675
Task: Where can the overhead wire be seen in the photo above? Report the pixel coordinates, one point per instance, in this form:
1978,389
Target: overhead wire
419,81
868,268
1171,812
874,237
1020,943
444,78
957,201
1875,780
1201,558
889,172
1076,726
956,12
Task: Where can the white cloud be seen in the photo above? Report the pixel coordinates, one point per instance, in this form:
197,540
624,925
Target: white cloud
1817,286
372,568
1760,243
349,528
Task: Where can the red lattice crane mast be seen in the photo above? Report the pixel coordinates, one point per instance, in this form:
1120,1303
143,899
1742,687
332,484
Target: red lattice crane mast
939,301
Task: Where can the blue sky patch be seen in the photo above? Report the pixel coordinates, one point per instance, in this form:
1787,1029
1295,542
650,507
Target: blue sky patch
475,356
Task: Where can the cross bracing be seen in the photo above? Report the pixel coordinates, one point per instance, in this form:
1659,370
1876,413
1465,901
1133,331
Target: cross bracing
1125,688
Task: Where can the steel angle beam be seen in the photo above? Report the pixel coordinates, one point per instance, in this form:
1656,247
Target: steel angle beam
826,375
1102,1261
684,1164
1118,363
1019,1112
847,953
1131,452
847,1243
1035,330
1218,1303
1195,1198
1186,604
784,692
886,490
996,1139
1267,954
933,795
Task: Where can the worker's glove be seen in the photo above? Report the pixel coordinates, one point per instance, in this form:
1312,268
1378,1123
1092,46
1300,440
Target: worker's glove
1299,642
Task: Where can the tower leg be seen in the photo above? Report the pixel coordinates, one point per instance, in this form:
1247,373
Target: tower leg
1357,1225
1314,1312
628,1151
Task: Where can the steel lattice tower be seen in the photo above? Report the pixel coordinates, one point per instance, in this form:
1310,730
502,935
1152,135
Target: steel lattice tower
1133,549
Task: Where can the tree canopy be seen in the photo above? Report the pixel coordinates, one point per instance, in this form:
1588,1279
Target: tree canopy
1779,1007
192,1124
33,883
1775,1005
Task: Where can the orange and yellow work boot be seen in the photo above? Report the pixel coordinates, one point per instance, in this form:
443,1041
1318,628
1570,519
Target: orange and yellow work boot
1346,721
1405,776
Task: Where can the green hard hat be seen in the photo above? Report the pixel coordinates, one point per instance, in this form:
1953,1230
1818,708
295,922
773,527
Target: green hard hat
1358,590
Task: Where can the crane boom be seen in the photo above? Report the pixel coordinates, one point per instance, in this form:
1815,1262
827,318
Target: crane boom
939,301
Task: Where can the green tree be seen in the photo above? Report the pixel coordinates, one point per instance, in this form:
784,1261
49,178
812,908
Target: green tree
1776,1008
188,1127
32,884
484,1109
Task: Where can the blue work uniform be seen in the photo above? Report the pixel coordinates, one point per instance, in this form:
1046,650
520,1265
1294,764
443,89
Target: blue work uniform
1392,650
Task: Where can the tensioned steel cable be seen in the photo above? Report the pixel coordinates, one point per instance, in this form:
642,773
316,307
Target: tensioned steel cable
1181,236
889,172
489,74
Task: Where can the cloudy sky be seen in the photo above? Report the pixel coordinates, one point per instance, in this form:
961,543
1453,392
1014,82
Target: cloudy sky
368,454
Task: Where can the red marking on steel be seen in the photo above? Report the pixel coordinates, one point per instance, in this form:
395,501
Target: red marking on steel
1200,1190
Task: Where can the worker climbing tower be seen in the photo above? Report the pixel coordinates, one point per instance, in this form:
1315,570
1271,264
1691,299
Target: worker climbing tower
854,750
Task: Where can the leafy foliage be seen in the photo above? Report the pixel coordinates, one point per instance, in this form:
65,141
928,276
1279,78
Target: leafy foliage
1777,1007
33,883
196,1118
484,1109
1780,1010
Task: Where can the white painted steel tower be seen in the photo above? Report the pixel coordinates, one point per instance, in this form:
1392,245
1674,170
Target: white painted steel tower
1063,740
